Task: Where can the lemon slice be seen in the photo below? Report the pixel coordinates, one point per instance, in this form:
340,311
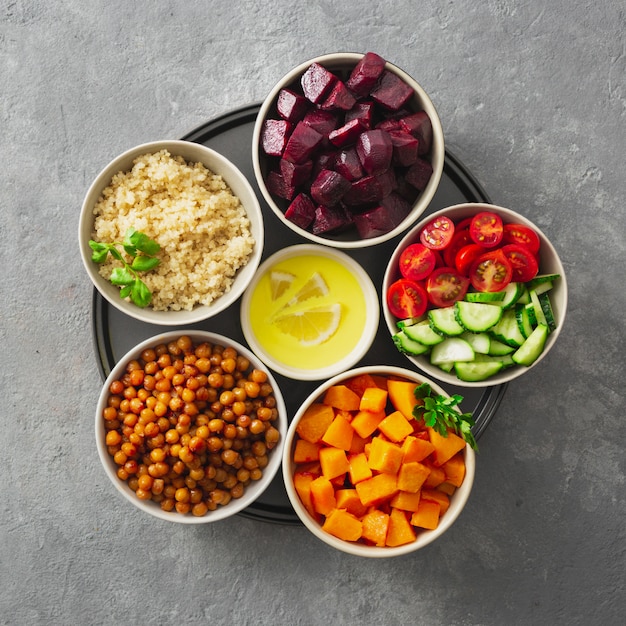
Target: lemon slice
312,326
315,287
280,281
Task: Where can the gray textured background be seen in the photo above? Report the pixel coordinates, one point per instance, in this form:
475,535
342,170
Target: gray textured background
532,97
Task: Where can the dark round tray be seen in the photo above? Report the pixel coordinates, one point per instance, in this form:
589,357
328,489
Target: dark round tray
115,333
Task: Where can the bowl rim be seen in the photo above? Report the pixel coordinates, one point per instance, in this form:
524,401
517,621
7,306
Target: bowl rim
437,158
425,537
371,322
234,506
238,183
513,216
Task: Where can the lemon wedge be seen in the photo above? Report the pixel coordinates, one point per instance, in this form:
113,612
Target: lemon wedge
280,281
311,326
315,287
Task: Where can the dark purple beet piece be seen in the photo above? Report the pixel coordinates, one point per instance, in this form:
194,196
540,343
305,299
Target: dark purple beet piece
316,82
346,134
383,218
347,163
291,106
370,189
329,187
302,143
389,124
419,174
322,121
274,136
301,211
339,98
363,111
391,92
278,187
330,219
295,174
365,74
420,126
375,150
405,190
405,147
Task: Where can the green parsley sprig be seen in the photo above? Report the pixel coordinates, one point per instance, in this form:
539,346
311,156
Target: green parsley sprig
441,413
142,252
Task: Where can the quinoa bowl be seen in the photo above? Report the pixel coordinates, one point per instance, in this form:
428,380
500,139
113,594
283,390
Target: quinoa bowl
197,211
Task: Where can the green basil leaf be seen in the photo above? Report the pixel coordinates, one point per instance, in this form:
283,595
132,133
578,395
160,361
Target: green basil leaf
122,276
144,263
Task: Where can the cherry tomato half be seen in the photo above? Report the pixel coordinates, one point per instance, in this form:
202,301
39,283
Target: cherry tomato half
445,286
417,261
523,262
438,233
407,298
460,238
523,235
487,229
466,256
491,271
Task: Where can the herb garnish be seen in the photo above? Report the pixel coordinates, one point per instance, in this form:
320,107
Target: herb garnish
142,251
440,412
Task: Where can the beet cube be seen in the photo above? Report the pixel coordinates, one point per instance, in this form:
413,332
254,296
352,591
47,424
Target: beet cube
391,92
347,163
420,126
330,219
363,111
329,187
278,187
419,174
316,82
339,98
370,189
291,106
274,136
375,150
381,219
302,143
366,74
405,147
295,174
389,124
346,134
322,121
301,211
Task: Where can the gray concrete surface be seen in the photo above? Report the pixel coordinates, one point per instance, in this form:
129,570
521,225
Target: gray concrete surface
532,97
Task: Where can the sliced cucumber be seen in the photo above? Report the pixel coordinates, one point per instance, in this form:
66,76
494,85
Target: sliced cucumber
523,320
407,345
480,342
543,278
546,307
507,330
476,371
524,297
530,311
446,367
512,293
452,349
539,314
477,316
443,321
497,348
423,333
530,350
505,359
543,288
485,296
410,321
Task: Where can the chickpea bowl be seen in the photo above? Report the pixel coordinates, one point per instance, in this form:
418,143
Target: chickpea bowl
171,232
190,427
365,474
348,150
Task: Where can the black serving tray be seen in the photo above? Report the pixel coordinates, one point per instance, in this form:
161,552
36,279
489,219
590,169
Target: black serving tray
114,333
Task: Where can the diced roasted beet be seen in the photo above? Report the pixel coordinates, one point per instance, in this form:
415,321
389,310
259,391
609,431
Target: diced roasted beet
347,163
381,219
346,134
363,111
419,174
277,186
302,143
389,124
397,206
339,98
405,147
330,219
295,174
366,73
301,211
322,121
420,126
291,106
329,187
370,189
316,82
407,191
375,150
391,91
274,136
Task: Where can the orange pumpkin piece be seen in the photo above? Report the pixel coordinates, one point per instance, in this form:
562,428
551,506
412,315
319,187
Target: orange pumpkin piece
323,495
454,469
375,526
374,399
437,496
427,515
446,488
406,501
384,456
402,396
358,444
339,433
341,397
412,476
360,383
302,483
445,447
366,422
395,426
400,530
416,449
305,451
334,462
342,524
435,478
349,500
377,489
316,419
358,468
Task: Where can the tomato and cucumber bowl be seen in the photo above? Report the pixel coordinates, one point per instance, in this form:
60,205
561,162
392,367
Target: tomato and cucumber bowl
475,295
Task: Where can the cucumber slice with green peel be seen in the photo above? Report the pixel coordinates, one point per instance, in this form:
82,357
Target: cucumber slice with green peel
532,348
546,307
477,316
512,293
507,330
485,296
443,321
522,316
530,311
505,359
480,342
497,348
423,333
446,367
407,345
543,288
539,314
543,278
410,321
476,371
524,297
451,349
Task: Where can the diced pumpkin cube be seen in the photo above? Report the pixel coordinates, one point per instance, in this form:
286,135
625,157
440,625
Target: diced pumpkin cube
358,468
412,476
341,397
302,483
316,419
445,447
342,524
358,444
375,526
349,500
339,433
374,399
323,495
360,383
384,456
427,515
454,469
400,531
435,478
406,501
305,451
366,422
437,496
416,449
446,488
395,426
377,489
334,462
402,396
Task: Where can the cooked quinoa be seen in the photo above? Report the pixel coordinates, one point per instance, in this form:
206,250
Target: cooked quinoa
201,226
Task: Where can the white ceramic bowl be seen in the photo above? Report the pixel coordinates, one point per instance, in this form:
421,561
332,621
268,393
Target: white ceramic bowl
424,537
345,62
252,491
549,263
358,300
192,153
